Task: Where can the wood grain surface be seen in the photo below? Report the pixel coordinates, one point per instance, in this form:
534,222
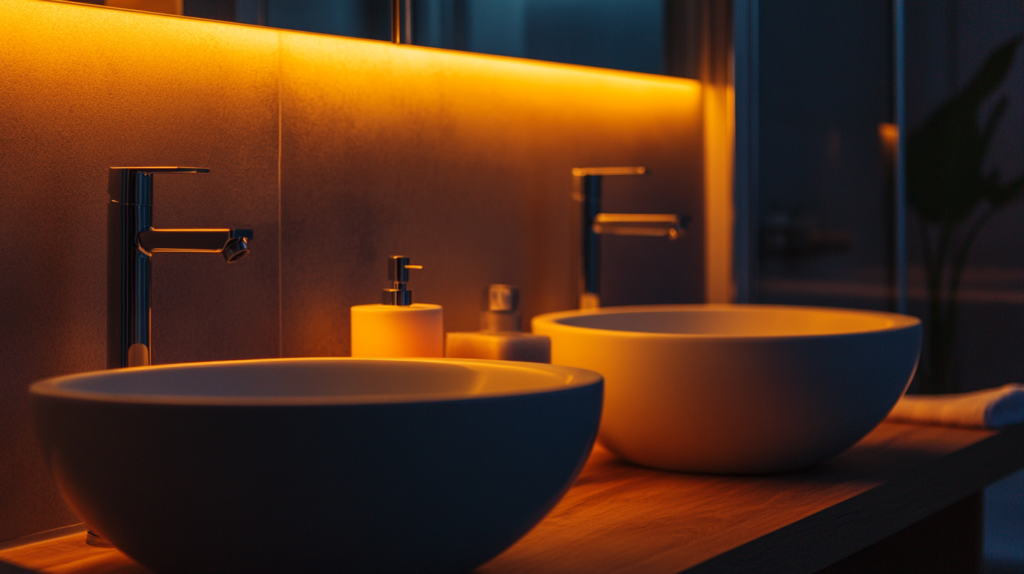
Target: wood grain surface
618,517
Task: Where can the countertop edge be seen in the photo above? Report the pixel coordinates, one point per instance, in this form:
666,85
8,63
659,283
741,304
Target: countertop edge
876,513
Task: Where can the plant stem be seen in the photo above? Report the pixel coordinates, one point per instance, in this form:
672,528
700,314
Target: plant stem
959,263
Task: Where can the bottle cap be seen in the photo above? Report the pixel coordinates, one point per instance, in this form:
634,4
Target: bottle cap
501,297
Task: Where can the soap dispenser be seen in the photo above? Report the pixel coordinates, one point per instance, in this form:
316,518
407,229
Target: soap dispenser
398,327
500,335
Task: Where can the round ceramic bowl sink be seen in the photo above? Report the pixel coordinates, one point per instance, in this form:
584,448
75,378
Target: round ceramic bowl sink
737,388
317,465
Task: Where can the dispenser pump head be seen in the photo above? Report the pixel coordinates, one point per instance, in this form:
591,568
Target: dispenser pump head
398,274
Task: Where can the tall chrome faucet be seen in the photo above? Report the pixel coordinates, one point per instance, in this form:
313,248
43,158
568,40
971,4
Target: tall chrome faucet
131,242
587,190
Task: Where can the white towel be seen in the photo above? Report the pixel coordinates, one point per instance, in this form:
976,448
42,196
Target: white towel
990,408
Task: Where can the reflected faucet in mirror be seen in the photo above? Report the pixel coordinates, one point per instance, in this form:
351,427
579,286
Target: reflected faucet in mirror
131,243
587,190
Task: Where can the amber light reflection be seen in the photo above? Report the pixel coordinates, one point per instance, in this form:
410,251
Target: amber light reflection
890,134
479,92
719,130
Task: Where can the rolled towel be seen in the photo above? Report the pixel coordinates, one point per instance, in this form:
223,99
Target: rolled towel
990,408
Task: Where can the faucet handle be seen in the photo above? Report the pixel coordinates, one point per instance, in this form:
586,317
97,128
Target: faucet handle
632,170
134,185
166,169
581,176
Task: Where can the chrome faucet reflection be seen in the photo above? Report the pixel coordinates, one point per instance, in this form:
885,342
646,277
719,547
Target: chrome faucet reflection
587,190
131,243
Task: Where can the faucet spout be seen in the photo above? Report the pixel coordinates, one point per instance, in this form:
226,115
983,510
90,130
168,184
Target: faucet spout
645,224
228,241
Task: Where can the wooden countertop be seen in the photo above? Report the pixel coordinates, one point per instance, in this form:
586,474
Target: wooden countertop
622,518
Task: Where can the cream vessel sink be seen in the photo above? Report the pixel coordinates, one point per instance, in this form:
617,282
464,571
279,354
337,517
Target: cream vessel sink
737,388
317,465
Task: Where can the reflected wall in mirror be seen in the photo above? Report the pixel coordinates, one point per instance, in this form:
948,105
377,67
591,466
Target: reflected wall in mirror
651,36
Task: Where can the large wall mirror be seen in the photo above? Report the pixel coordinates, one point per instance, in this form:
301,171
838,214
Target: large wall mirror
648,36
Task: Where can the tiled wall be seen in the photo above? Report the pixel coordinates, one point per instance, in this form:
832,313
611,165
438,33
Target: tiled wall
338,152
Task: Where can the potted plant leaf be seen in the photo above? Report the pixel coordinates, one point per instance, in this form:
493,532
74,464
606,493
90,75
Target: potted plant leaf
955,197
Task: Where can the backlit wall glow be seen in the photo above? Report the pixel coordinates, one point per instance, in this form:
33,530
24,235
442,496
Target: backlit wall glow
337,152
